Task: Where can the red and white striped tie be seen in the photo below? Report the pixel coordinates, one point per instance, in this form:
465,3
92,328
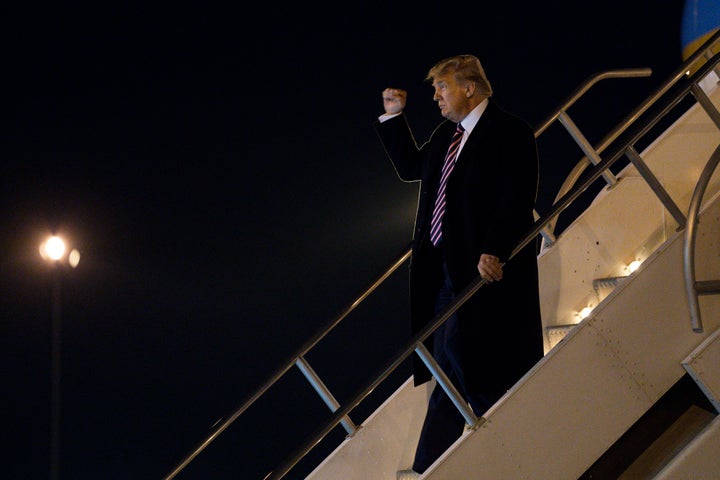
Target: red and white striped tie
436,221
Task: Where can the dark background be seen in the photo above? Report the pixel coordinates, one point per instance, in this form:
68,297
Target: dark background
218,172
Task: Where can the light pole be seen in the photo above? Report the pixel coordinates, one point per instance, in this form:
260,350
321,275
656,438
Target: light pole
53,250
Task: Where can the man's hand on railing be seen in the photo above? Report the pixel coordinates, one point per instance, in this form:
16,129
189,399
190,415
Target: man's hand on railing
490,267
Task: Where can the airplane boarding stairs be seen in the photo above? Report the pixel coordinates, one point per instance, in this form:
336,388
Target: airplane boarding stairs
629,387
603,373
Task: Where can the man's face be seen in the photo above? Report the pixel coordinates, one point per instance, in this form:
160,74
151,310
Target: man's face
451,97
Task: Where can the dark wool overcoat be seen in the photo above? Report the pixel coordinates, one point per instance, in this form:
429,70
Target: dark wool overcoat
490,198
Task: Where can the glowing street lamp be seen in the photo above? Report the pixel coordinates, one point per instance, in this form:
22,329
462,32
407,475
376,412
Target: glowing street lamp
53,250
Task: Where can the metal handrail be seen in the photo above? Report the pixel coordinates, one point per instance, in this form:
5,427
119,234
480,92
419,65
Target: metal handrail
561,114
340,413
693,287
703,53
296,359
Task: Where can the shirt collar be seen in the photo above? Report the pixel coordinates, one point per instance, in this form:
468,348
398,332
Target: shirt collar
473,117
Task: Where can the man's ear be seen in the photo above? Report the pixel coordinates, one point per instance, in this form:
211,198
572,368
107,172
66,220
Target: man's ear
470,89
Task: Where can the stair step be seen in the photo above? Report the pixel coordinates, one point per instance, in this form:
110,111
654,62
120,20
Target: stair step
703,364
654,440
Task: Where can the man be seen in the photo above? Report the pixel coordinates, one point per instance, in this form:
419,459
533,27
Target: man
473,210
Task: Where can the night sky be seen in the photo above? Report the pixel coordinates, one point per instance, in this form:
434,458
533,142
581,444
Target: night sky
218,172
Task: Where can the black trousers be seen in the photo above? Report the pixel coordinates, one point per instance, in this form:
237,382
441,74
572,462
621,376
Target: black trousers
443,423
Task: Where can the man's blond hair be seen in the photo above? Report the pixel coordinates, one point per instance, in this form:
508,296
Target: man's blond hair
463,68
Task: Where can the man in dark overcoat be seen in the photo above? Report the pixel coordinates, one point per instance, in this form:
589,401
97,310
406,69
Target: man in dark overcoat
473,210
